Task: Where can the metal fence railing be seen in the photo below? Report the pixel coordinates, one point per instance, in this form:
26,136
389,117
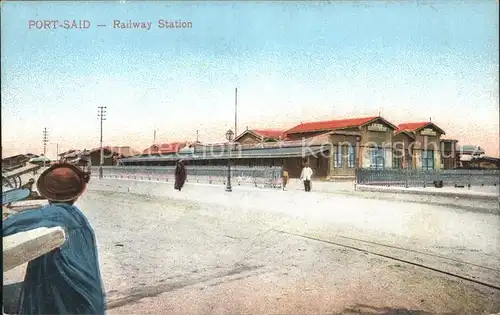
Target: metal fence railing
240,175
426,178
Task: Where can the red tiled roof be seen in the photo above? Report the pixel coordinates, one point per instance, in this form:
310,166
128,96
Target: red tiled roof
412,126
330,124
165,148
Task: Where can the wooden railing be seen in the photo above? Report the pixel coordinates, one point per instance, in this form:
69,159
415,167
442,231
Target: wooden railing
23,247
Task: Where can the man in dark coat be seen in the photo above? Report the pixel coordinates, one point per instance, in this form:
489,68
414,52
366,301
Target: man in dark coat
180,175
67,280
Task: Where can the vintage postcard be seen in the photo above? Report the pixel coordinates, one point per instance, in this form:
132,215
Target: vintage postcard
250,157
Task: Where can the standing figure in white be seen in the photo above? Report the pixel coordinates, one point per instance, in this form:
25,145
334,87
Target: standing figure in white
305,176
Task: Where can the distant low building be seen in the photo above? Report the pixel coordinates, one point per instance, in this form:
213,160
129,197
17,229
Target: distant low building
473,150
474,157
111,154
18,160
479,162
487,162
467,153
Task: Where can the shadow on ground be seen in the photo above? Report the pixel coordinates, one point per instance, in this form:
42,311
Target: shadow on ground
371,310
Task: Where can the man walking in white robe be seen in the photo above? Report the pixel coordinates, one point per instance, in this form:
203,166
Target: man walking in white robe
305,176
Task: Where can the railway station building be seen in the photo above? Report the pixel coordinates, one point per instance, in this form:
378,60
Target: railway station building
334,149
424,148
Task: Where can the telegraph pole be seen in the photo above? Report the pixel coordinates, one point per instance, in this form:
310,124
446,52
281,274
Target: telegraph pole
45,140
236,112
101,115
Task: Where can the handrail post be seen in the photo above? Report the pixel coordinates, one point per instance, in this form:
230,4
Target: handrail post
406,177
469,179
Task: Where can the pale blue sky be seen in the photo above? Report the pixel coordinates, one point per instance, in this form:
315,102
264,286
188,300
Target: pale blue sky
291,62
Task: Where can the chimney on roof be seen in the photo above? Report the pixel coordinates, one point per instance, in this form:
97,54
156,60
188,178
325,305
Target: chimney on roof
247,127
430,119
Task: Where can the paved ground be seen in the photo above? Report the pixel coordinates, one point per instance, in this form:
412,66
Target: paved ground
346,188
460,200
204,251
348,185
472,191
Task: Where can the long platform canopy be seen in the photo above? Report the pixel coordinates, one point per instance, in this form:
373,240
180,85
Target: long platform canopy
254,153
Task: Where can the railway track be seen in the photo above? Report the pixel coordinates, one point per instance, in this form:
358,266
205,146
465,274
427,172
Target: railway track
473,273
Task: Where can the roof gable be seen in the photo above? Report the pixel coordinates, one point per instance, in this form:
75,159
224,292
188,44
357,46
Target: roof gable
416,126
263,134
377,121
247,133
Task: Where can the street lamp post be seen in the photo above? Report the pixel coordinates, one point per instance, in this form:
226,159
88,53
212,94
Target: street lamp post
102,116
229,137
45,140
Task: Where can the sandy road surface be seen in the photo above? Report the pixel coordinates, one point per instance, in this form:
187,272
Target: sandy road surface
204,251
